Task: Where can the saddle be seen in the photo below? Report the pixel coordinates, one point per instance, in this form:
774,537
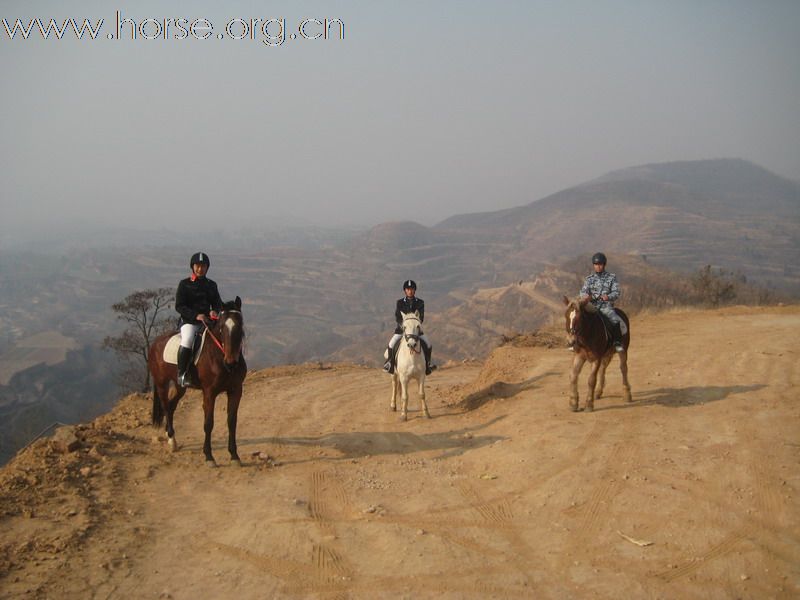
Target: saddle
607,326
170,354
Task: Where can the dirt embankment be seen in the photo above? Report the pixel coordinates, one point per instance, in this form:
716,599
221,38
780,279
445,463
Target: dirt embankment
691,491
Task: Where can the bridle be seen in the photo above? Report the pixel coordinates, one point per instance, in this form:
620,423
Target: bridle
217,343
412,336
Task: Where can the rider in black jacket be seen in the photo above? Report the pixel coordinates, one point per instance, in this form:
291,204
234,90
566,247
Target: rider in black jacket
408,304
196,300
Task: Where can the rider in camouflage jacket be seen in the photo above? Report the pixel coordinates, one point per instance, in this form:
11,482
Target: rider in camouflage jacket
602,289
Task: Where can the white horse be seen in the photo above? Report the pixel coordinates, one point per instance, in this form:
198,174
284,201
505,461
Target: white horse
410,365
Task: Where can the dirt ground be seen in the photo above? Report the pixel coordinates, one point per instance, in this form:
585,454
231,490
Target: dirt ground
691,491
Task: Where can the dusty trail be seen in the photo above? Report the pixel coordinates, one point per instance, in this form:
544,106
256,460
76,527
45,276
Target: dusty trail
504,493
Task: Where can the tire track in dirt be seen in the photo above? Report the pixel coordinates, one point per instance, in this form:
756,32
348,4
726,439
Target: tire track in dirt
594,435
285,570
609,487
328,501
725,547
762,528
593,513
499,516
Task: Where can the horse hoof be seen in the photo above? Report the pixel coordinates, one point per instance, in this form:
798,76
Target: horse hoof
589,408
235,462
404,417
427,414
573,407
211,464
173,445
393,407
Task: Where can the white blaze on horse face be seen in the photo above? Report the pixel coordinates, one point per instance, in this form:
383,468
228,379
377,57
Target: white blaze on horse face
572,316
230,325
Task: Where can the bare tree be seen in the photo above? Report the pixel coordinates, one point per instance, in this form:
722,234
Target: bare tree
714,288
143,311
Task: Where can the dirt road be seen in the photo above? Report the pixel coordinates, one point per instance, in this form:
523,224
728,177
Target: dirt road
691,491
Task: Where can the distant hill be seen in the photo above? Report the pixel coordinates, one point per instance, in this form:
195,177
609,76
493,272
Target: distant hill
728,213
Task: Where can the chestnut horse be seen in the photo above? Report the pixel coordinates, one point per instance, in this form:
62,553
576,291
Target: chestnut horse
220,368
592,342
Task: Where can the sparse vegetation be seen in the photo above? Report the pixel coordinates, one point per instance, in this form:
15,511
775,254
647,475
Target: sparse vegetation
714,287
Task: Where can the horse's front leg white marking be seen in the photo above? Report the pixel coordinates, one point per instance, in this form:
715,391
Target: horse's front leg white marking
172,443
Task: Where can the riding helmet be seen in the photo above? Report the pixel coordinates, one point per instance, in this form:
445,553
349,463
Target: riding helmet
199,258
410,284
599,259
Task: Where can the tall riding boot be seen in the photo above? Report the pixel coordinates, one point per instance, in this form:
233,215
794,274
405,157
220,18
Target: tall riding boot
616,332
427,350
184,358
388,366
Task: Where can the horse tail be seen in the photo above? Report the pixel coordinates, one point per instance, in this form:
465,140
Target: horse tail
158,409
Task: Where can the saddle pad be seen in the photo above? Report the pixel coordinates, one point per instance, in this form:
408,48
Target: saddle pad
171,349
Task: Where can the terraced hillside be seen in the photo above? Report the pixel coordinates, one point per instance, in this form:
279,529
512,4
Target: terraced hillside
727,213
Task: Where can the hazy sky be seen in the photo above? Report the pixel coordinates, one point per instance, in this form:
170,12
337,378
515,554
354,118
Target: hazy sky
424,110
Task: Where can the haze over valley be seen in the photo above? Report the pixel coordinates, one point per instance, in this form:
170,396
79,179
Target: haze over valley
322,294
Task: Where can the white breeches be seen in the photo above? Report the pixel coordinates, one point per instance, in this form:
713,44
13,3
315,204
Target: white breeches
188,332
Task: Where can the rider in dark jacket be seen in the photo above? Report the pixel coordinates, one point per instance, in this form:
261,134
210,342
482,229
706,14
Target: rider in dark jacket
196,300
405,305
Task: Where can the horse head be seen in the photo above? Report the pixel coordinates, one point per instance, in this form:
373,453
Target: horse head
411,328
573,316
231,328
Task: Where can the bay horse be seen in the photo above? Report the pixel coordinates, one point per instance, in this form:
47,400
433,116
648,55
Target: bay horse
592,342
410,365
220,368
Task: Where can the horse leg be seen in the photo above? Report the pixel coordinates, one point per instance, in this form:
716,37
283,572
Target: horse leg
592,383
623,367
577,365
422,396
172,405
234,396
601,379
209,399
404,399
395,385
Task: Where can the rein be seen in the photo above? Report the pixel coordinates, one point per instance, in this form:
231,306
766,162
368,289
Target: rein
213,337
216,341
